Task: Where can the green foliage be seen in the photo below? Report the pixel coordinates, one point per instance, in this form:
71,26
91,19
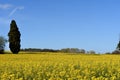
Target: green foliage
2,44
116,52
91,52
14,37
118,46
72,50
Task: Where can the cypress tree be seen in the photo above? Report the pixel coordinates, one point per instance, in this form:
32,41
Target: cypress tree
14,38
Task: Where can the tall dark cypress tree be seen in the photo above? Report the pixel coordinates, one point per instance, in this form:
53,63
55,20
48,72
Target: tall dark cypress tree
14,37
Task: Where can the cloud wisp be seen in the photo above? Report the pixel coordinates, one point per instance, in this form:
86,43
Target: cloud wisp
6,18
10,6
15,9
5,6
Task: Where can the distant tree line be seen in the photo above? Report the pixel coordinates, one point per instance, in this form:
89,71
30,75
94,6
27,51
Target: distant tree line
72,50
38,50
64,50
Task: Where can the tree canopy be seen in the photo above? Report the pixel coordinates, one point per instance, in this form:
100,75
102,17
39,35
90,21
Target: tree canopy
2,44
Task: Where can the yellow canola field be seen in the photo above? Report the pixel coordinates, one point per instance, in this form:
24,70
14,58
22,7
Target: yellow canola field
59,66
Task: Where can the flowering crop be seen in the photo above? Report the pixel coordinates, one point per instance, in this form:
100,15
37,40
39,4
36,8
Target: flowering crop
59,66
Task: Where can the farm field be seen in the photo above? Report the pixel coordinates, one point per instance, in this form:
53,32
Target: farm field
59,66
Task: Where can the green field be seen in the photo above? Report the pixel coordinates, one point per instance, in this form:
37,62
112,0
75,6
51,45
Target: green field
59,66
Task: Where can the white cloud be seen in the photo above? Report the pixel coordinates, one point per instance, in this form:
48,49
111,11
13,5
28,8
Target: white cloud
15,9
5,6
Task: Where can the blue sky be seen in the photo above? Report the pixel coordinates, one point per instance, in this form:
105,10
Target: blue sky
56,24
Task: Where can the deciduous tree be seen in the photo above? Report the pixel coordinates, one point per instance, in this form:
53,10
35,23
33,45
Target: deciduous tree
2,44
